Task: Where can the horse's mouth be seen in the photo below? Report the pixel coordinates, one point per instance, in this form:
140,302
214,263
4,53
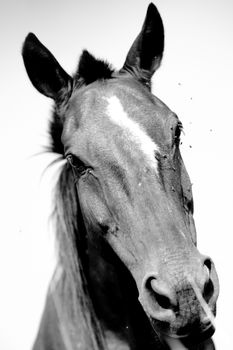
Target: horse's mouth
197,337
188,336
189,339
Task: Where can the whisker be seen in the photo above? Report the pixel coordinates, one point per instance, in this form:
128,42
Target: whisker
203,303
55,161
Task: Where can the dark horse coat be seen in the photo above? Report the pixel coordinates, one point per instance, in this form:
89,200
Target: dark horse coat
129,274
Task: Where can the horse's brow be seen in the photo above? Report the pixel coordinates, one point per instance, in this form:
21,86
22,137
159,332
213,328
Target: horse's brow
136,133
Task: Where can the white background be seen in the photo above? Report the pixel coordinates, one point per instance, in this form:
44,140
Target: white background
195,81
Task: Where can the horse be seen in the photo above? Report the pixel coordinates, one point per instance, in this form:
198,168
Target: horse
129,274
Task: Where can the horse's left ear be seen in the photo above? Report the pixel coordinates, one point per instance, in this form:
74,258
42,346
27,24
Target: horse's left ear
44,71
145,54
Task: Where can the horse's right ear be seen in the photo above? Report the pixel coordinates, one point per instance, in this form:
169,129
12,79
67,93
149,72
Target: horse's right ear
44,71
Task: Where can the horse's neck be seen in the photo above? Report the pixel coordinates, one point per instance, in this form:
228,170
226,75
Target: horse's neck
106,291
69,328
115,300
67,316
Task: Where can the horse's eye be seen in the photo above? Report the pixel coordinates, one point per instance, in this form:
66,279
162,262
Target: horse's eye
75,162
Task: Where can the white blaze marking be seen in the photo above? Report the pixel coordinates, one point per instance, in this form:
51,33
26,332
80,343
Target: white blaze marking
136,133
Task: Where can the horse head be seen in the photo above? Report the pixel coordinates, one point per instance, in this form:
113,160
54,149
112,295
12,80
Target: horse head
122,144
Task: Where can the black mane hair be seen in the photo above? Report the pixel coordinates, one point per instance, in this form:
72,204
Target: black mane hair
75,301
91,69
55,132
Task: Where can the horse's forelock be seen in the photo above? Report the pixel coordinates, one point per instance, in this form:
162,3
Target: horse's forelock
91,69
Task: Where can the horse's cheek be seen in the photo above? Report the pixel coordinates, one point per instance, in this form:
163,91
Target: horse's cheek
94,207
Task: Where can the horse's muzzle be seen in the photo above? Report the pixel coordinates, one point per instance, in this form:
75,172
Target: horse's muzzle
183,306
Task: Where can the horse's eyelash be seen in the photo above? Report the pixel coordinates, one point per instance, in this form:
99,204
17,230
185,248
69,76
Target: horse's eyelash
180,126
178,130
74,161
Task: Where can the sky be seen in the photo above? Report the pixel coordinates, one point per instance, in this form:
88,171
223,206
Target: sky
195,80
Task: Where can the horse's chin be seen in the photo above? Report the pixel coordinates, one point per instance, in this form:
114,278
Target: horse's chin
191,340
180,344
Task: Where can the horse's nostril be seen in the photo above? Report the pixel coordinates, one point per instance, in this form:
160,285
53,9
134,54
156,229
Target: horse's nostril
208,290
208,264
159,293
161,299
158,299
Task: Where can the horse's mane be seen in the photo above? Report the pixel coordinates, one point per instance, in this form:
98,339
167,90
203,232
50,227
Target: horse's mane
71,240
70,228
